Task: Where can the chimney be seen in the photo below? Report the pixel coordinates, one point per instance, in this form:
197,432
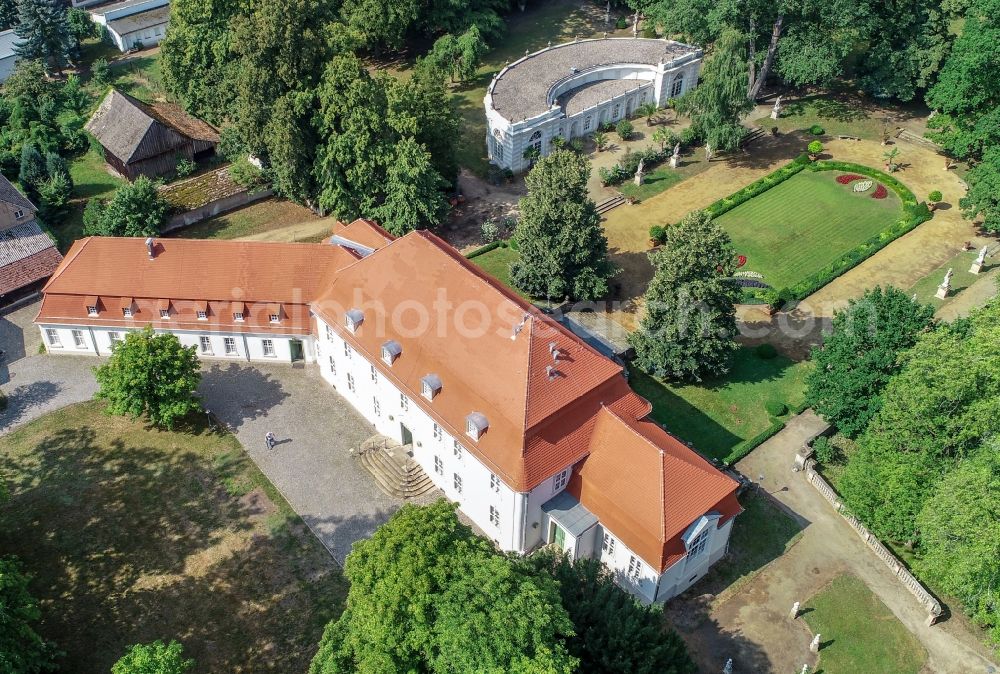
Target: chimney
554,352
551,372
151,247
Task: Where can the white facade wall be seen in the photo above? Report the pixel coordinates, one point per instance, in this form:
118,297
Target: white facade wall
97,341
378,400
148,37
7,68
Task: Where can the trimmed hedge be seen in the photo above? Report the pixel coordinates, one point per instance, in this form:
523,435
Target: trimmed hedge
747,446
914,213
482,250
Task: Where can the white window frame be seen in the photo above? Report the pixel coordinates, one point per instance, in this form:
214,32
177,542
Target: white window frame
347,351
114,337
79,341
238,316
18,214
329,334
608,544
456,481
267,346
202,315
404,402
229,344
205,345
52,335
164,313
376,406
92,310
457,449
634,567
274,318
698,544
350,382
127,312
495,516
333,367
677,85
438,432
374,374
494,482
438,465
560,480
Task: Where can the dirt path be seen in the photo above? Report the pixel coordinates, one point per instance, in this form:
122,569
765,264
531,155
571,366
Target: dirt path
299,232
753,627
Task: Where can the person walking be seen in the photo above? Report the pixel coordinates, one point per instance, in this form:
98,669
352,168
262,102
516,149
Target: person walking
269,440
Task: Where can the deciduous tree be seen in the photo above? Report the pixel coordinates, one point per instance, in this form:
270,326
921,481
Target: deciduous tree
150,374
154,658
983,197
563,250
22,650
688,328
428,595
960,536
135,209
861,354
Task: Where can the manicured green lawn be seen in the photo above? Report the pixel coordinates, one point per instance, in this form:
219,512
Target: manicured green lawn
838,112
858,633
806,222
497,263
715,416
133,535
257,218
657,180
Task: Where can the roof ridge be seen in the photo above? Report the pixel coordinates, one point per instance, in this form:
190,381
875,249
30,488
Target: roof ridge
67,259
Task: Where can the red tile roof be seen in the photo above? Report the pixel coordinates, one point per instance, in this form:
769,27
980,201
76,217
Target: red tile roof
550,399
28,270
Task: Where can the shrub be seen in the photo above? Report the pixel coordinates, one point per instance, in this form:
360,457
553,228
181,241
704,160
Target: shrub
600,140
100,72
776,408
657,234
624,129
766,351
3,401
482,250
246,174
815,147
747,446
816,130
490,230
184,168
576,145
826,452
934,197
621,23
689,136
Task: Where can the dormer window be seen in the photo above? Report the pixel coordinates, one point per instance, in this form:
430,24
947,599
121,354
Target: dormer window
353,319
202,315
18,214
391,351
475,425
201,310
127,312
430,386
164,313
238,316
91,310
273,312
239,311
273,318
127,305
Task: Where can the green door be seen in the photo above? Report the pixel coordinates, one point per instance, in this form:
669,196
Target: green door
295,347
557,535
407,435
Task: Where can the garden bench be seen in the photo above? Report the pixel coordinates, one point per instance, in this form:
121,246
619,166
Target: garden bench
846,137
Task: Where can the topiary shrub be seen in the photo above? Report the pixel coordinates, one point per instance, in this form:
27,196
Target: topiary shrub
776,408
624,129
816,130
815,148
766,351
934,197
657,234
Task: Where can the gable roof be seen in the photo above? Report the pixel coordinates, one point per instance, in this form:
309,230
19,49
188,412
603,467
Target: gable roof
8,38
12,195
26,255
133,131
647,487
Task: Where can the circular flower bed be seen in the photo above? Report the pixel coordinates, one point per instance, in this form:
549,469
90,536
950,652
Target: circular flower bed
741,260
848,178
880,192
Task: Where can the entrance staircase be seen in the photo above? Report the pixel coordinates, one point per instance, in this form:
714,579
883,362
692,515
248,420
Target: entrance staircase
610,203
393,467
752,136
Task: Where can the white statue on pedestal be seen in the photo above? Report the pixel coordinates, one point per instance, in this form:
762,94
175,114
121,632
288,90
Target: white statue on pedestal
945,287
776,110
640,175
676,156
635,24
977,265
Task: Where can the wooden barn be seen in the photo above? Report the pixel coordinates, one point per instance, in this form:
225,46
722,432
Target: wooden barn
141,139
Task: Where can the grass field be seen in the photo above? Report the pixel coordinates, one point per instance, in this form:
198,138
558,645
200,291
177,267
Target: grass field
858,633
656,181
133,535
715,416
497,263
263,216
797,227
926,287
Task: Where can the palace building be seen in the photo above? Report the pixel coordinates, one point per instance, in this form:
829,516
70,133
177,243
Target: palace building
535,434
572,89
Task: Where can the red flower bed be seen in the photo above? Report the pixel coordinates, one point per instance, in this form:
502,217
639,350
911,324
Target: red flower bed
848,178
880,192
741,260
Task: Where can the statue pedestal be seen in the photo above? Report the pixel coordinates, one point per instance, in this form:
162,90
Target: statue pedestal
640,178
942,292
775,114
976,267
673,161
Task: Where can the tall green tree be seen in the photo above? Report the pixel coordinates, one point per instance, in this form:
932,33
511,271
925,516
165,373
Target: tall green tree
943,403
44,32
135,209
967,93
563,250
960,536
688,329
983,197
22,650
154,658
413,191
150,374
859,356
428,595
33,169
8,14
459,56
719,102
614,634
423,109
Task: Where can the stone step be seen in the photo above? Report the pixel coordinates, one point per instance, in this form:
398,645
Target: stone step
754,135
610,203
395,480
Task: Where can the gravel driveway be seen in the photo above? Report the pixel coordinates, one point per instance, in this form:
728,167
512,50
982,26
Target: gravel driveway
314,426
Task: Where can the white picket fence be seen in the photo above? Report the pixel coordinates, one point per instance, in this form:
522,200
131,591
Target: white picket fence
925,598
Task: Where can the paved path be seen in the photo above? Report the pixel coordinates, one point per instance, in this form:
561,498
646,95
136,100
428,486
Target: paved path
828,548
973,297
314,426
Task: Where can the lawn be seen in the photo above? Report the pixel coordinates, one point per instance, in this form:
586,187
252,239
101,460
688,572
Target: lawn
133,534
659,179
926,287
804,223
715,416
761,533
858,633
497,263
257,218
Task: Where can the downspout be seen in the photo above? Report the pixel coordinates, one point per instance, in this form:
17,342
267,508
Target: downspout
93,339
246,347
524,522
